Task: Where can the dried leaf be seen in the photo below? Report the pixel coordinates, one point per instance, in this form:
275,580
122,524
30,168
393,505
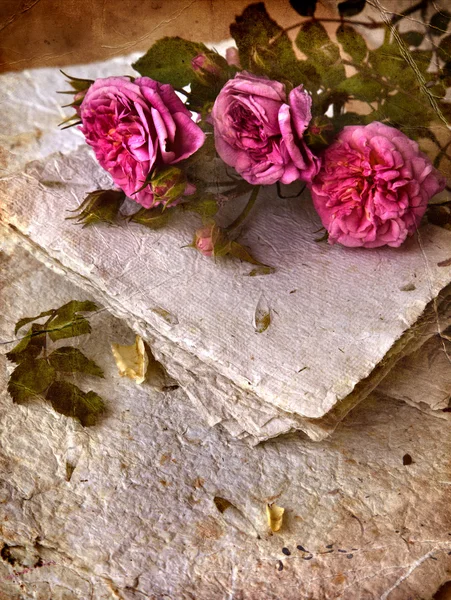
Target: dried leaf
26,320
68,323
274,515
70,360
262,316
29,347
221,503
132,361
70,400
30,378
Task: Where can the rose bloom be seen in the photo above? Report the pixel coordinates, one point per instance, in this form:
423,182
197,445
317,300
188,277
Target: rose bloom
374,186
258,131
135,127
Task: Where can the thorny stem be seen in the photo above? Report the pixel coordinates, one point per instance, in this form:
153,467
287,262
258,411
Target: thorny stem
247,209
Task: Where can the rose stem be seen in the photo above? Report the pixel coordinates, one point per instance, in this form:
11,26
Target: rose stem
247,209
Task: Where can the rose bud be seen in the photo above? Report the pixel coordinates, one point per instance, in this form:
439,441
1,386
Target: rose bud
374,186
169,185
206,238
203,63
233,57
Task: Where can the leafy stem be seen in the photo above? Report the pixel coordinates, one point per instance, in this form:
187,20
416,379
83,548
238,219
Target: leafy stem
247,209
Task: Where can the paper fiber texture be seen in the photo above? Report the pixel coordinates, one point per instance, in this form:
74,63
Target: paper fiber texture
126,510
336,313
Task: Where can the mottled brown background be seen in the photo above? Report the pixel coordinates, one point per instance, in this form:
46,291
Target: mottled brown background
44,33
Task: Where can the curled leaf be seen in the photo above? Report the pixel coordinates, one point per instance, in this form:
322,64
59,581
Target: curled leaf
67,321
262,316
221,503
132,361
274,515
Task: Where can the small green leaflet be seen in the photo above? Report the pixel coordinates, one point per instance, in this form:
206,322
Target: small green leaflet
68,323
30,378
70,360
30,346
70,400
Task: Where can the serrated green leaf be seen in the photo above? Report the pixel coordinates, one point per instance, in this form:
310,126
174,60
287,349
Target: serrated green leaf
314,41
27,320
350,8
30,378
361,87
266,49
413,38
69,400
169,61
439,22
70,360
444,49
29,347
68,323
403,111
352,42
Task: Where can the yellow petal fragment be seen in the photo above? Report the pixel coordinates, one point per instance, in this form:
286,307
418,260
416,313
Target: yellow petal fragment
274,514
132,361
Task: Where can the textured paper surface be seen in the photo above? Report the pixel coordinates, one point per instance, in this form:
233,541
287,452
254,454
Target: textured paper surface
336,311
137,518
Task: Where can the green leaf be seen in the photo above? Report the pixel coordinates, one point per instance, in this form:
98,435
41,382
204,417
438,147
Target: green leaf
69,400
26,320
30,378
305,8
314,41
352,42
70,360
153,218
444,49
361,87
238,251
169,61
413,38
349,8
403,111
266,49
439,22
29,347
68,323
100,206
206,206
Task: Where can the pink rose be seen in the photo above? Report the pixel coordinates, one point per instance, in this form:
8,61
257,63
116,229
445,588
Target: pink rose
135,127
259,134
374,186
